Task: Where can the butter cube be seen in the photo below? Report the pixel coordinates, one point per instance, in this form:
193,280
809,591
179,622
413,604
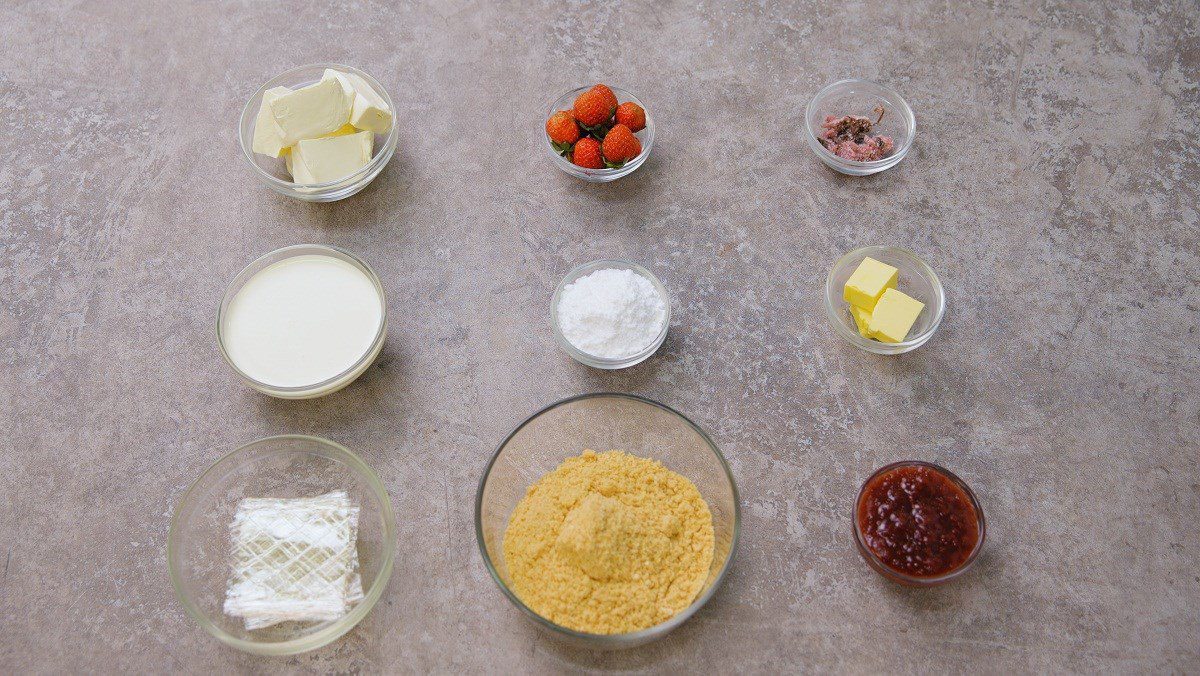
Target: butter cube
330,158
369,111
893,316
311,111
861,318
345,130
868,283
268,138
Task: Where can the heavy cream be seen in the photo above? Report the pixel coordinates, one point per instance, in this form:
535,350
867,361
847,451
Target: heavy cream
302,321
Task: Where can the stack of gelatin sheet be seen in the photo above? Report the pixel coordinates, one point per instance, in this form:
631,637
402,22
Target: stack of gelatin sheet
294,559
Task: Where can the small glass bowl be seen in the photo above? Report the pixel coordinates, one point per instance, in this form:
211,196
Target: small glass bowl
271,170
329,385
916,280
605,421
859,97
895,575
288,466
608,362
646,136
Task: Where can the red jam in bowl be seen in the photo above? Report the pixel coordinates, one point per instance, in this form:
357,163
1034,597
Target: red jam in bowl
917,520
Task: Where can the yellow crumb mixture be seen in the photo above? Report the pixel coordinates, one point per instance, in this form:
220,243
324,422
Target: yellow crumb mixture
609,543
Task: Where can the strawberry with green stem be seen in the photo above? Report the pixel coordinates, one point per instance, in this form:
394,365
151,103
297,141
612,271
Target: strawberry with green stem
563,131
620,146
587,154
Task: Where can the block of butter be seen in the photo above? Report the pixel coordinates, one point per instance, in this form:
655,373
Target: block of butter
893,316
862,318
268,138
311,111
330,158
369,111
287,152
870,279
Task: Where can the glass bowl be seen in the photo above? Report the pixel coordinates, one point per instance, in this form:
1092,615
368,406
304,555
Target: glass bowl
608,362
859,97
605,421
646,136
271,171
916,279
323,387
289,466
895,575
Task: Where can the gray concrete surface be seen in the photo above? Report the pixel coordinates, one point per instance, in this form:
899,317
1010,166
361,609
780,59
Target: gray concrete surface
1053,186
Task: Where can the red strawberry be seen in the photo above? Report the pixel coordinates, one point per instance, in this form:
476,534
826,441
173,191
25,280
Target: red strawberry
620,145
609,97
592,108
631,115
587,153
561,128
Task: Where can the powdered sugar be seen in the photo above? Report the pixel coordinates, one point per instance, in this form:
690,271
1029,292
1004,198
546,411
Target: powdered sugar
611,313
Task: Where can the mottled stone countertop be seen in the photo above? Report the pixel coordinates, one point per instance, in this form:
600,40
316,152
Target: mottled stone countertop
1052,186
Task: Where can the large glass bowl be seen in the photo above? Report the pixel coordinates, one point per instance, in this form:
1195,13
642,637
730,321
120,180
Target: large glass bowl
271,170
289,466
566,101
602,422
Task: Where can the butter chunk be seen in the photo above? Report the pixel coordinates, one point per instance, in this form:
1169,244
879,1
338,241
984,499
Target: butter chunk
369,111
268,138
321,160
344,130
861,318
870,279
893,316
312,111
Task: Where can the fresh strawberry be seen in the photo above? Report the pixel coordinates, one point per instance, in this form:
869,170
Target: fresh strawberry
620,146
587,153
593,108
631,115
562,130
609,97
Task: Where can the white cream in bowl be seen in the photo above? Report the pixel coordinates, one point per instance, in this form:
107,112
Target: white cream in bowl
303,320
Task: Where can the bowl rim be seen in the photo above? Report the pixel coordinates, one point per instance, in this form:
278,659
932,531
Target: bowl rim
291,251
609,363
337,628
249,113
874,345
904,578
576,170
883,162
628,638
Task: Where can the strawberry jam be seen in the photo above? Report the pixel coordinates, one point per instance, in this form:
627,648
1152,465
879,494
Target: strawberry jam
918,520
